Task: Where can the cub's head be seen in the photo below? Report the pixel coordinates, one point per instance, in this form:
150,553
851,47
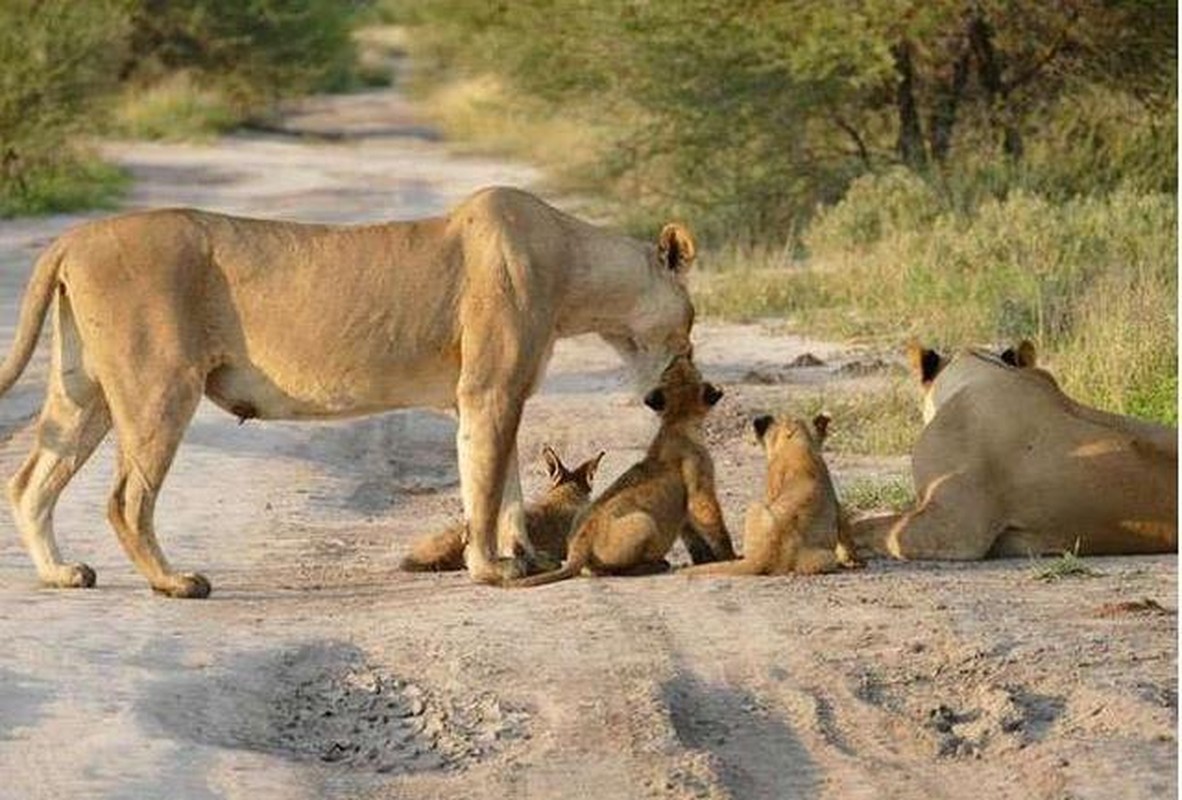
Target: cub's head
791,437
579,479
660,314
681,393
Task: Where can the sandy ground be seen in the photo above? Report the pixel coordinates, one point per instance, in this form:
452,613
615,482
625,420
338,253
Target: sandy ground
317,670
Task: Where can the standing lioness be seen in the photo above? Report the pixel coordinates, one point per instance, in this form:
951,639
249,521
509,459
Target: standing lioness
280,320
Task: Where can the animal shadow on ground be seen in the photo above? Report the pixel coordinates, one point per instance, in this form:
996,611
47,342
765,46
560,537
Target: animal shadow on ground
753,753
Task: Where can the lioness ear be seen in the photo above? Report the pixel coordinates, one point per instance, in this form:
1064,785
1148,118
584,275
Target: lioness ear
554,464
924,363
675,248
1027,357
821,426
655,400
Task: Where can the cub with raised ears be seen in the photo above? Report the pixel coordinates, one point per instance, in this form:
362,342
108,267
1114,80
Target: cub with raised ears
798,527
670,493
547,522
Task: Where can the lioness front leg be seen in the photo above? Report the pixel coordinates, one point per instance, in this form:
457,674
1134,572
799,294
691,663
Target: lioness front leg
485,442
512,538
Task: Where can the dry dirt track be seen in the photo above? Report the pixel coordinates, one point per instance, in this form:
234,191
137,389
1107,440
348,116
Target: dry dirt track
316,670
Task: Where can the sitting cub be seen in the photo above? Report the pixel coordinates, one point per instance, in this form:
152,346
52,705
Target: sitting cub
547,522
798,527
668,494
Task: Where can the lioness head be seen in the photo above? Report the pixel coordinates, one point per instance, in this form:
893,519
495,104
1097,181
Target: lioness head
580,478
682,393
783,434
658,328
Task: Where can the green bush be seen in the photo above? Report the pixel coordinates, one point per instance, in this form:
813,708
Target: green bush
174,108
254,50
58,67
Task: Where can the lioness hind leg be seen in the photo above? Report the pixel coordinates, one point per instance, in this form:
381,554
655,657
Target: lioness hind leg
73,422
952,522
150,430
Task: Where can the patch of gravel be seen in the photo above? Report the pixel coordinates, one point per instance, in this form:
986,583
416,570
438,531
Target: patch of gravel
325,703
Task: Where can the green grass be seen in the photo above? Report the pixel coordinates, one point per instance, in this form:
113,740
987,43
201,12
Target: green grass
177,108
1092,280
70,184
880,423
886,493
1068,565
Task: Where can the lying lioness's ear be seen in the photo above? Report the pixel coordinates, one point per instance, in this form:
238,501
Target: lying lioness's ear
675,248
821,426
924,363
1027,357
655,400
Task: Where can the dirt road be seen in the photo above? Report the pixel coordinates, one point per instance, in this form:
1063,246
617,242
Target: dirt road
317,670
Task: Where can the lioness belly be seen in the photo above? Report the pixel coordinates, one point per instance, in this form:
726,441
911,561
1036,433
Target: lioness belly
249,392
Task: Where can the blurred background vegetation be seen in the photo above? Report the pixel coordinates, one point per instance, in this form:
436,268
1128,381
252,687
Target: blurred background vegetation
955,170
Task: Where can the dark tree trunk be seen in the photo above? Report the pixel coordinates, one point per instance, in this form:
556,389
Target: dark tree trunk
943,117
910,145
996,91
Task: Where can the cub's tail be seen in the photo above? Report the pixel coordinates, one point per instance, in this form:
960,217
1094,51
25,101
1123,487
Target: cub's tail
436,552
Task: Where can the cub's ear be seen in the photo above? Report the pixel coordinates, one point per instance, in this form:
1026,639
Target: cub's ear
554,465
655,400
588,468
676,249
711,394
761,424
926,364
821,426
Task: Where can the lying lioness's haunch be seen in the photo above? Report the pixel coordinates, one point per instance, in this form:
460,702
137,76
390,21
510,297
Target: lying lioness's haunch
1008,465
547,522
670,493
280,320
798,527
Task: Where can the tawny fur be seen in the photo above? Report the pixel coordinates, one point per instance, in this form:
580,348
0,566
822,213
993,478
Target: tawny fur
630,528
547,521
798,527
281,320
1009,465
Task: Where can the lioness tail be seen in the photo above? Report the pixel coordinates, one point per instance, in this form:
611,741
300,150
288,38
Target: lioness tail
33,309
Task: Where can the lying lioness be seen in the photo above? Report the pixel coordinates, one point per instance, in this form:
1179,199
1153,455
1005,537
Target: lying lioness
281,320
547,522
630,528
1008,465
798,527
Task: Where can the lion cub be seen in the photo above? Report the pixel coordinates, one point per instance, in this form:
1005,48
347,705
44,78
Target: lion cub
547,521
798,527
669,494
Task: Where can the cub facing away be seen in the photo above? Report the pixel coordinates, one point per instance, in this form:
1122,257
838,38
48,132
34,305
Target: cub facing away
547,521
798,527
670,493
